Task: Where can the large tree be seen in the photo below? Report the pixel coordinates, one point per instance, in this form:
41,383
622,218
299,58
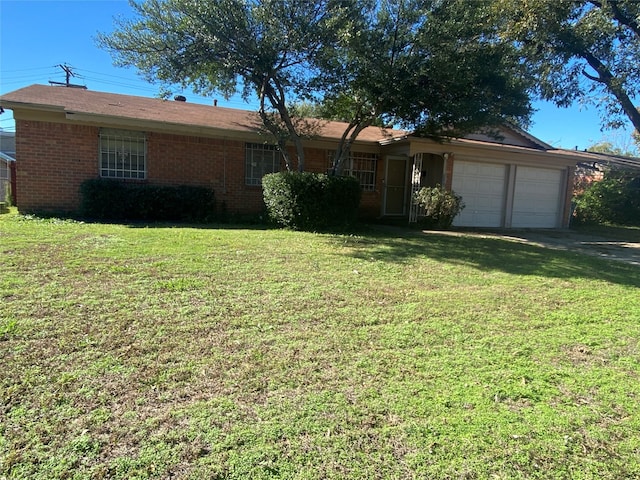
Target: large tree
268,48
428,65
580,50
436,68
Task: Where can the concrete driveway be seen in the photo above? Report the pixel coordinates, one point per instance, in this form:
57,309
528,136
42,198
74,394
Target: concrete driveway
624,251
599,246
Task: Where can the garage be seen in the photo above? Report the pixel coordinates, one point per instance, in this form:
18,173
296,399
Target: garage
482,187
537,197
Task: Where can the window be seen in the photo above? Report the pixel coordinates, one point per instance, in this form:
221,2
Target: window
123,154
363,167
260,159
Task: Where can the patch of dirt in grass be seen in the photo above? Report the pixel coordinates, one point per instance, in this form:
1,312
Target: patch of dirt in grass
578,354
581,355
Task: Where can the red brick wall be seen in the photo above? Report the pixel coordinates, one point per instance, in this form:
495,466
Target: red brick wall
55,158
210,162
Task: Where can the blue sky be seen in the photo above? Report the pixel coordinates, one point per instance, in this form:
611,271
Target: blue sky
35,36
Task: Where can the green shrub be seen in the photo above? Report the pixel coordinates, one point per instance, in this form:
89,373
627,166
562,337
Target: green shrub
8,199
439,205
613,200
104,199
311,201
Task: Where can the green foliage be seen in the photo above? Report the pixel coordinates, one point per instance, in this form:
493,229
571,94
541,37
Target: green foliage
440,206
7,200
311,201
104,199
428,67
266,49
424,65
579,51
608,147
613,200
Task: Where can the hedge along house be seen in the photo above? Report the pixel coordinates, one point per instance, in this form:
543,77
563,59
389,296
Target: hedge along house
65,136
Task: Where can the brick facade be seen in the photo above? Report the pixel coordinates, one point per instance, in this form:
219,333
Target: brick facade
58,143
55,158
214,163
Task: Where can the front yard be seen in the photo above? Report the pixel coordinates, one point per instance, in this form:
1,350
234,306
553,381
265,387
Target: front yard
178,352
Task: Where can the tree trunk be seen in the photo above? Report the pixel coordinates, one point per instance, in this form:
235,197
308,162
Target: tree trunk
344,146
277,100
276,96
606,78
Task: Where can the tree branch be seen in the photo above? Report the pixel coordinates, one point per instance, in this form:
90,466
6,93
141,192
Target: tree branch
619,15
606,77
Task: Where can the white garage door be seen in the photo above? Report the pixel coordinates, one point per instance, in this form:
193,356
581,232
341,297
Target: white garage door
537,200
482,187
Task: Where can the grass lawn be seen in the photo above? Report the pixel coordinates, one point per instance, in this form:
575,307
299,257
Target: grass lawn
227,353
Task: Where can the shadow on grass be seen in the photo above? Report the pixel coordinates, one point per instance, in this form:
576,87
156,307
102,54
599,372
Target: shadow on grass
614,232
401,245
491,254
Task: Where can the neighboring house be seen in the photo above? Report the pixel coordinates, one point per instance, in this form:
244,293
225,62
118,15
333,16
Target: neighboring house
65,136
8,143
595,164
7,166
592,168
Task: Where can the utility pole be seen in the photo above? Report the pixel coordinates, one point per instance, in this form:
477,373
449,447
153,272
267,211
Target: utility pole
68,73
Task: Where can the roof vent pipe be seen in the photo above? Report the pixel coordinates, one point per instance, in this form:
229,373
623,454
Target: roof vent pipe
180,98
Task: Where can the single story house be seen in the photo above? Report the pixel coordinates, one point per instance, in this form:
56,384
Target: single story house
65,136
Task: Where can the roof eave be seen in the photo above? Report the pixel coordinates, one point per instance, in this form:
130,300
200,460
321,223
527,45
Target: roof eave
151,125
419,145
36,107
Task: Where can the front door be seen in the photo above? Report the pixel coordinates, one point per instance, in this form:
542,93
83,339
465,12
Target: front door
395,193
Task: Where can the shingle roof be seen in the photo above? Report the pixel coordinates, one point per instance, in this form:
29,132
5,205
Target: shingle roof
78,101
592,158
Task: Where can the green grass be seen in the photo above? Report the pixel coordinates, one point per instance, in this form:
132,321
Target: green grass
177,352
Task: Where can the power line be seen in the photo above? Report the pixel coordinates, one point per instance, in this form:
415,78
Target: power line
68,74
111,80
29,69
126,82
